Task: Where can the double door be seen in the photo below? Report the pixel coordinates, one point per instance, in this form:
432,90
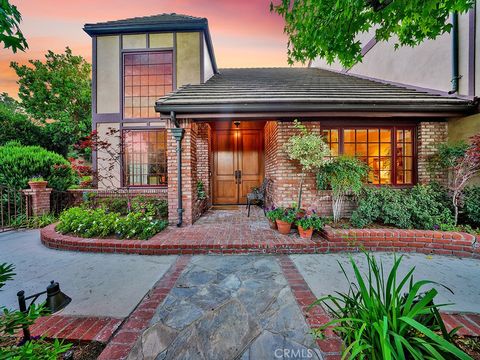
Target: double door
237,164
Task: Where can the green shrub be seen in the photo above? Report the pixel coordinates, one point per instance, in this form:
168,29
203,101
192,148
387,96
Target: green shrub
19,163
377,320
422,207
138,226
98,222
471,206
150,206
273,213
112,204
18,127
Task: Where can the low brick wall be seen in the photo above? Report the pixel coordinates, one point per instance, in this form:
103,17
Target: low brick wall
420,241
174,241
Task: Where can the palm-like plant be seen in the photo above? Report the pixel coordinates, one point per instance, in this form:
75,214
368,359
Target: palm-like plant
378,320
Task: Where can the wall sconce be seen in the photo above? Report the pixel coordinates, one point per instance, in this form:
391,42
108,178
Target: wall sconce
56,301
236,123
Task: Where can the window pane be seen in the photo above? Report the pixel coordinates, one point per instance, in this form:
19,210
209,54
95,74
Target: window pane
362,135
145,158
373,135
349,135
146,76
361,150
385,135
334,136
349,149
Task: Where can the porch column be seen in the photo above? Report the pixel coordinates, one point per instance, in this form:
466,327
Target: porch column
189,172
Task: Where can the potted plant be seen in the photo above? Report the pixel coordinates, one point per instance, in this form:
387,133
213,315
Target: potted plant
308,223
284,221
273,214
37,183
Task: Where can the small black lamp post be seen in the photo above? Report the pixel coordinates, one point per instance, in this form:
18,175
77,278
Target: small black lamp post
56,301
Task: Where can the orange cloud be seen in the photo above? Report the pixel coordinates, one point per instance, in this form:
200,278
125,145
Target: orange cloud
244,33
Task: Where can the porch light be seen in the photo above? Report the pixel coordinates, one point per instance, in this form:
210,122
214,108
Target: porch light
236,123
56,301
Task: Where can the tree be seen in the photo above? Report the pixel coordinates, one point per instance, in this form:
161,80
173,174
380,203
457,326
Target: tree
329,28
343,175
57,92
10,34
309,149
17,126
464,169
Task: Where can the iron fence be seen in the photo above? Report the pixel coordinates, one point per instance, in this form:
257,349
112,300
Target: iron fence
15,208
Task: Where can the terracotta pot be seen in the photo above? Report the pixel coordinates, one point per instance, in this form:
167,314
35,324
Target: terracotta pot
284,227
38,185
273,224
305,233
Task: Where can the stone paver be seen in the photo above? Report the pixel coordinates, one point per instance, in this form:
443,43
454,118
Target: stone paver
100,285
242,307
324,276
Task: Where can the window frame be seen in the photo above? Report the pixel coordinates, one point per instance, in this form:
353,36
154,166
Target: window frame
393,129
124,173
124,52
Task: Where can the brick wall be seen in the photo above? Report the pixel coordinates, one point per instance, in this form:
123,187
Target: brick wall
285,174
192,208
430,135
204,161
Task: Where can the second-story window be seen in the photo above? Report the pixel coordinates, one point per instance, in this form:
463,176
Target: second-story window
146,77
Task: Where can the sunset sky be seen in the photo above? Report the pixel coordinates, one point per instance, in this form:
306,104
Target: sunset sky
245,33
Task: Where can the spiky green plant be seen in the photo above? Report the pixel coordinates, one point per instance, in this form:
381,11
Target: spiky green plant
383,318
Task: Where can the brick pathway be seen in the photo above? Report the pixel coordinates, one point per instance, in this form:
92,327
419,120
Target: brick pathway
122,342
76,328
331,345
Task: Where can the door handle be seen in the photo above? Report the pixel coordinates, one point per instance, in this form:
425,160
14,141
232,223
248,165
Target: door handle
238,176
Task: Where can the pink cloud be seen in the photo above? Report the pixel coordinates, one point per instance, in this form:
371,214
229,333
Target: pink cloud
244,33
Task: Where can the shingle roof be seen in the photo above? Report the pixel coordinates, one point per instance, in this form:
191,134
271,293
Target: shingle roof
301,89
171,18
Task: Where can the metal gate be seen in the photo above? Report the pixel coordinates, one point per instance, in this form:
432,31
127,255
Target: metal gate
14,208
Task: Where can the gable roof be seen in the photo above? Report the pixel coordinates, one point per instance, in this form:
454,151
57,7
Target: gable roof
155,23
302,89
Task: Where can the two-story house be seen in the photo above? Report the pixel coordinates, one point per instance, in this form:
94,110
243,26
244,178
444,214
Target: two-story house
174,119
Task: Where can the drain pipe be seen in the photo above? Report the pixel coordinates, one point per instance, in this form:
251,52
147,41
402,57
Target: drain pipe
455,75
177,133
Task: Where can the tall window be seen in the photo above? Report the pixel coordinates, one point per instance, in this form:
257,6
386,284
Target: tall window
146,77
144,157
388,151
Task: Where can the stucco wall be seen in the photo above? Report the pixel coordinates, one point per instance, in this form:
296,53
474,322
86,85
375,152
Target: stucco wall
164,40
188,58
137,41
108,79
207,62
463,128
108,168
427,65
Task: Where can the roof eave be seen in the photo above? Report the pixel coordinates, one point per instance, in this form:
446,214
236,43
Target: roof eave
454,109
191,25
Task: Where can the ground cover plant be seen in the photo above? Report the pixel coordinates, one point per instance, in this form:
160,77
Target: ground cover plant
388,316
98,222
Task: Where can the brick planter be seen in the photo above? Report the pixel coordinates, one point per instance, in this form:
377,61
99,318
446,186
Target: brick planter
420,241
213,240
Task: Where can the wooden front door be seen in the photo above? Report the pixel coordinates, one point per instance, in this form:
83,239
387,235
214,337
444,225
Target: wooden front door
237,164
